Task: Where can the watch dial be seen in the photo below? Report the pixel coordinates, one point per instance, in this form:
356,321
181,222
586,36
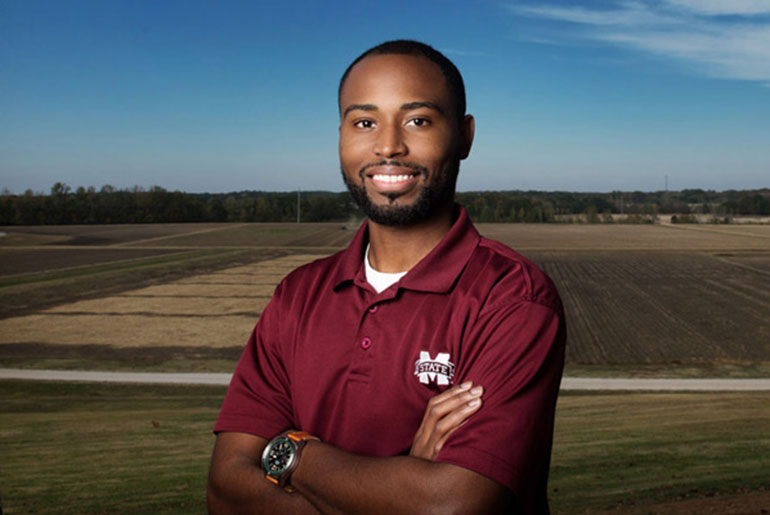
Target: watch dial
278,456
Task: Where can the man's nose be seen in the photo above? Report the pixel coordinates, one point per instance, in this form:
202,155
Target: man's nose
389,142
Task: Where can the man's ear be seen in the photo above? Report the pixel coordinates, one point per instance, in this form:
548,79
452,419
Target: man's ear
467,129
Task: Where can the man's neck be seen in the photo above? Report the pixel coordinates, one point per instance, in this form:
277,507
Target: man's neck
398,249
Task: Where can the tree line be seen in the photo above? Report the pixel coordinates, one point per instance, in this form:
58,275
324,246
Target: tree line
62,205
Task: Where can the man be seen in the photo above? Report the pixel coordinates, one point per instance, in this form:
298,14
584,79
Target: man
417,370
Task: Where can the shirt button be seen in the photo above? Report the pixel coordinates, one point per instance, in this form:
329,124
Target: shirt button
366,343
374,309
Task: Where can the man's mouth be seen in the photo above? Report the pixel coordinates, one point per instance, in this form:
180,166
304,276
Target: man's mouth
389,177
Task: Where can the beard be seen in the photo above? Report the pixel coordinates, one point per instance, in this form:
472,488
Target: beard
430,199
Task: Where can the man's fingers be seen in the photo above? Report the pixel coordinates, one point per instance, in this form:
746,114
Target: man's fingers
450,403
444,414
437,408
456,417
450,415
451,392
451,423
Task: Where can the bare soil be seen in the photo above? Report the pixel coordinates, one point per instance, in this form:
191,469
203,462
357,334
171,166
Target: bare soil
214,310
664,307
98,234
602,237
25,294
673,297
26,260
331,236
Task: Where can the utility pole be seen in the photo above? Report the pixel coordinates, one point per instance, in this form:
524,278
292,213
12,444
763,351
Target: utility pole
298,208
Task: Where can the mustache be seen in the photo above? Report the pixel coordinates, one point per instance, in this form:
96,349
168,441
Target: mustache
390,162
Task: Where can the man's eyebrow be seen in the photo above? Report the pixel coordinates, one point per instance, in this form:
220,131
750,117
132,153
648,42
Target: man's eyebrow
404,107
417,105
360,107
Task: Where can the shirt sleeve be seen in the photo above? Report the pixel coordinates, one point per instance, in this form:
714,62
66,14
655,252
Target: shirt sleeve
516,352
258,400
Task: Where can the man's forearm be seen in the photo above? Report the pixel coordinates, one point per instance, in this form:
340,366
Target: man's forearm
330,480
237,482
336,481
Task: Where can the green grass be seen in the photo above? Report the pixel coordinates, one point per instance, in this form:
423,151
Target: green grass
90,448
76,448
632,449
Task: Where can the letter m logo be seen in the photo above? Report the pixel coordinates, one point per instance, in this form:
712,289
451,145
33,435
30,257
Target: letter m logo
439,369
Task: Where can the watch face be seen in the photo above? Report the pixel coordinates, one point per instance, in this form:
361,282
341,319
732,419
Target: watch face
277,456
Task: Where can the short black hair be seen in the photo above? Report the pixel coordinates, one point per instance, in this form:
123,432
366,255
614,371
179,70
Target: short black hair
410,47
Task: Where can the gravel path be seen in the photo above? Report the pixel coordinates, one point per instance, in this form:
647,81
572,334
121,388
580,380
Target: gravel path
568,383
115,377
681,385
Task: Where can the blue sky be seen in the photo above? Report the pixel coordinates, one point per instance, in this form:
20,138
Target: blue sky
224,96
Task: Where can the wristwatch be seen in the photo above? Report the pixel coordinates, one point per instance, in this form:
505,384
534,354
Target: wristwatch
281,456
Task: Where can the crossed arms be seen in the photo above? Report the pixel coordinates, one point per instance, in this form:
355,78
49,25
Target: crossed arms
329,480
509,439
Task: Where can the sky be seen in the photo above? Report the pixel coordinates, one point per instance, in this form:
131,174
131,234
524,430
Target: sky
205,96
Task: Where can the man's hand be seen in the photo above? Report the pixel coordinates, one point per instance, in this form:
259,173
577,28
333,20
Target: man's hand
445,413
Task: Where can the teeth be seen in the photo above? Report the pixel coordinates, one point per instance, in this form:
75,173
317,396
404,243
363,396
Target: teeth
391,178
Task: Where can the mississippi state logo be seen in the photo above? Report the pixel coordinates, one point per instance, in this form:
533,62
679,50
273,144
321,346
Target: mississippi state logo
439,369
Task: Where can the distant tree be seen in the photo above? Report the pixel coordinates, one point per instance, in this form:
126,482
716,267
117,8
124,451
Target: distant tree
753,205
592,214
111,205
549,214
216,211
535,215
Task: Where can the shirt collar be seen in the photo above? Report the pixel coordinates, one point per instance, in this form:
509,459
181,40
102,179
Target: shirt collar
436,272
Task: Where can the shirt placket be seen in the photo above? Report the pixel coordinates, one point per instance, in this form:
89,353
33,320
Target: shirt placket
369,336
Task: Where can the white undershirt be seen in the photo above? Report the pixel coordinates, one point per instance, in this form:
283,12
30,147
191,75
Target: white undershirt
380,281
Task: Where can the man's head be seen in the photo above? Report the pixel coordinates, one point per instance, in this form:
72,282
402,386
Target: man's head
403,132
452,76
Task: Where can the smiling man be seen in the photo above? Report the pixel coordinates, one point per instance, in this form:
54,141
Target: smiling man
417,370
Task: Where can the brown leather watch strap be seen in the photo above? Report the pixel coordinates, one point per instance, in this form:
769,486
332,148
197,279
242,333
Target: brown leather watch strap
300,438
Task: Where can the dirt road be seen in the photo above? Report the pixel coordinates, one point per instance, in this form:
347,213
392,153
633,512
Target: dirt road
568,383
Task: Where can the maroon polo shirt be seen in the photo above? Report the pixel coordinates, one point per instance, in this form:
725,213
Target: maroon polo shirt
332,357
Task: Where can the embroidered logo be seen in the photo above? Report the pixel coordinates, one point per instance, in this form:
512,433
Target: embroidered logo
438,369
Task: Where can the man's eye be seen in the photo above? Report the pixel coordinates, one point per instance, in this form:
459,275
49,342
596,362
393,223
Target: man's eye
364,124
419,122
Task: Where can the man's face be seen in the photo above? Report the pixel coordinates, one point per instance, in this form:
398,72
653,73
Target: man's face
400,141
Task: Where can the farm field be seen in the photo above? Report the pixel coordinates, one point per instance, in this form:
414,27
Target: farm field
665,307
640,300
90,448
98,234
656,301
609,237
25,260
199,322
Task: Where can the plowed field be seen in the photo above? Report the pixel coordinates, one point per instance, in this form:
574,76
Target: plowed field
648,296
662,307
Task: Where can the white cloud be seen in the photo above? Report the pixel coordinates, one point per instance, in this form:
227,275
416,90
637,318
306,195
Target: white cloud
629,13
462,53
724,7
688,30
